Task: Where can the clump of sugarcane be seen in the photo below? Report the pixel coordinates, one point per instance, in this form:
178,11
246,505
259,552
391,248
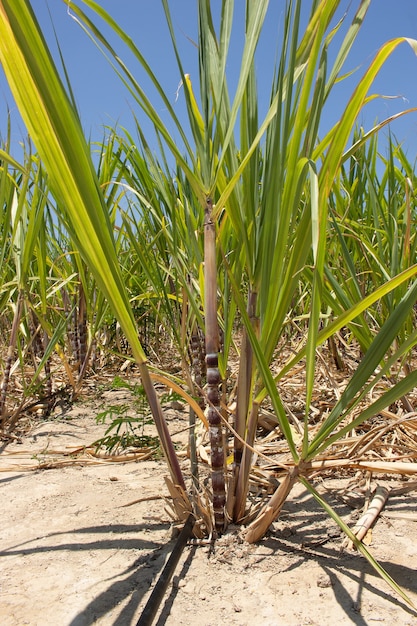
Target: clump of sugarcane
9,358
71,313
143,320
75,185
36,343
48,377
77,333
39,345
217,455
82,333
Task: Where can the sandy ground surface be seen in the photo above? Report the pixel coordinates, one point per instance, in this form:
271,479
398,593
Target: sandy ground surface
72,555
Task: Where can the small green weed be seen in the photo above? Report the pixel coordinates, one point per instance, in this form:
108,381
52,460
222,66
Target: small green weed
124,429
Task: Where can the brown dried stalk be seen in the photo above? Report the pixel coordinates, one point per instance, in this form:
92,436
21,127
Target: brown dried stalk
369,517
272,509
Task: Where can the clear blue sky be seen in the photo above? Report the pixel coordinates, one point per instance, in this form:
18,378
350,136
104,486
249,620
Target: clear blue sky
102,100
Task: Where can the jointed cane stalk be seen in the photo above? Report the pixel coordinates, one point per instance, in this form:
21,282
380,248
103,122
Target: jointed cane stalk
213,375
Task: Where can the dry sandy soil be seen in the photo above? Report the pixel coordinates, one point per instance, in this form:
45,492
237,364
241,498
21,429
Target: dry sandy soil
73,555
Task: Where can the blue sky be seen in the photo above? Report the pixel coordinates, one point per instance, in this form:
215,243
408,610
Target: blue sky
102,100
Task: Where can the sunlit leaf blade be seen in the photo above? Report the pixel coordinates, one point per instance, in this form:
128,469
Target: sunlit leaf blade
57,134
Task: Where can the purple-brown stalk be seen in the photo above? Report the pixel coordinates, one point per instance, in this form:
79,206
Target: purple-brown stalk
213,375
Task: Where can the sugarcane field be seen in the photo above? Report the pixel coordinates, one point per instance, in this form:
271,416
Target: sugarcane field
208,313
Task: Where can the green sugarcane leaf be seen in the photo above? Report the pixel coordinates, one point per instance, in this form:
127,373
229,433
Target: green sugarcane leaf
57,134
358,544
367,366
345,318
7,158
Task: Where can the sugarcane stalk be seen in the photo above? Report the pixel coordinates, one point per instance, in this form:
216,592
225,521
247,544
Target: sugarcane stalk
36,343
39,346
161,426
197,376
367,520
82,330
242,485
217,455
241,479
48,380
75,344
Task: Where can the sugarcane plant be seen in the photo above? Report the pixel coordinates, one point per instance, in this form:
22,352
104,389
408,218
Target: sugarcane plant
26,294
51,309
268,218
55,129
